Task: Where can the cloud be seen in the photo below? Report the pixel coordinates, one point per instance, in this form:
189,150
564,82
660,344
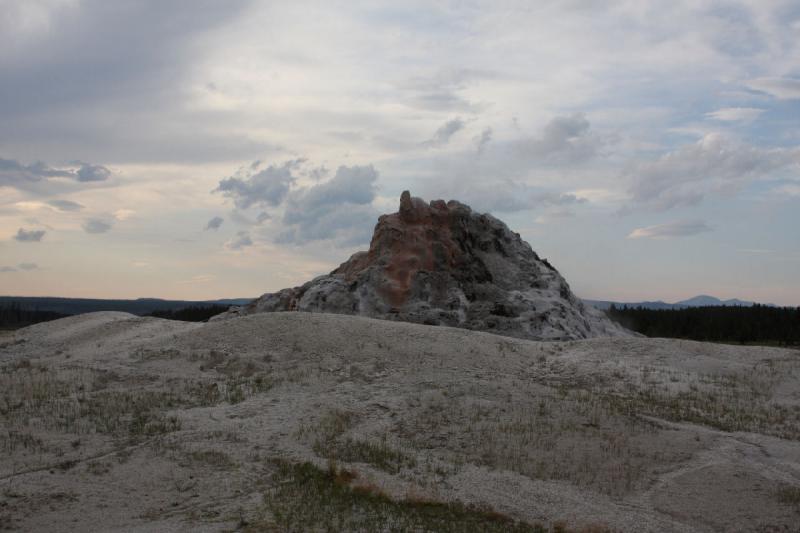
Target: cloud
201,278
28,266
789,189
686,175
440,90
681,228
565,140
88,172
7,269
123,214
267,187
445,132
24,235
780,88
510,196
96,225
735,114
240,241
65,205
339,209
482,141
215,223
35,176
86,68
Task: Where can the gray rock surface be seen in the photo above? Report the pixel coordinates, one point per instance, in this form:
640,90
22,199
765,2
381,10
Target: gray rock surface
441,263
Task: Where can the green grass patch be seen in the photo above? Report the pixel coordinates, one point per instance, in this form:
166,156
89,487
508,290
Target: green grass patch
307,498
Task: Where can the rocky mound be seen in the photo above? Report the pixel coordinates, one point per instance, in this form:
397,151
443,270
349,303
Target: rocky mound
443,264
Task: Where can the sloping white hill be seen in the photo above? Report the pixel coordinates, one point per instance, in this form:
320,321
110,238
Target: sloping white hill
297,421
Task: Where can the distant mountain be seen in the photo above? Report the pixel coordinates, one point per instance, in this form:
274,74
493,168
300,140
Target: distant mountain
702,300
705,300
141,306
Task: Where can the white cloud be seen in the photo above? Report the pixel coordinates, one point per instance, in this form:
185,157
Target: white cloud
715,164
781,88
65,205
240,241
735,114
124,214
681,228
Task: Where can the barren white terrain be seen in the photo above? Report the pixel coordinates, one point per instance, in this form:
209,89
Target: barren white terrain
304,421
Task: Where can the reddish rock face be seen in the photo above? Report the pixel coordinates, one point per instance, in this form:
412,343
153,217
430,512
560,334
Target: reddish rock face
416,238
441,263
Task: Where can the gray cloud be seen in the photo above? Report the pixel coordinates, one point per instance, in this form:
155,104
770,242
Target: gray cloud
440,91
96,225
36,176
681,228
28,266
735,114
565,139
135,48
93,65
65,205
507,196
24,235
215,223
445,132
482,141
686,175
7,269
240,241
317,173
88,172
339,209
267,187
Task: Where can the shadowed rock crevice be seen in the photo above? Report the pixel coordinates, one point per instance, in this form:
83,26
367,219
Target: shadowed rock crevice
441,263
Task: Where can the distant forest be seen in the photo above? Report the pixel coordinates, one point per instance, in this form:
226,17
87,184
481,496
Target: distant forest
14,315
191,314
758,324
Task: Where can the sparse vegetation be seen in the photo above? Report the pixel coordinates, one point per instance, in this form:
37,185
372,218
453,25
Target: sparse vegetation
790,496
403,435
308,498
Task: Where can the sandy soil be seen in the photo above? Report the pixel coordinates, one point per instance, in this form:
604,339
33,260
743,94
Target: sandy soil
112,422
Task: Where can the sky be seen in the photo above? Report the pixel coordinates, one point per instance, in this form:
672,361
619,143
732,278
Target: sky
197,149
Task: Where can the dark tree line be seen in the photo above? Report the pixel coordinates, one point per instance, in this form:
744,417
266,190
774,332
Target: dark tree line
13,316
759,324
191,314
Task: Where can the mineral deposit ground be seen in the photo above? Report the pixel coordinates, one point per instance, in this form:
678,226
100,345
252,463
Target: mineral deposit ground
318,422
